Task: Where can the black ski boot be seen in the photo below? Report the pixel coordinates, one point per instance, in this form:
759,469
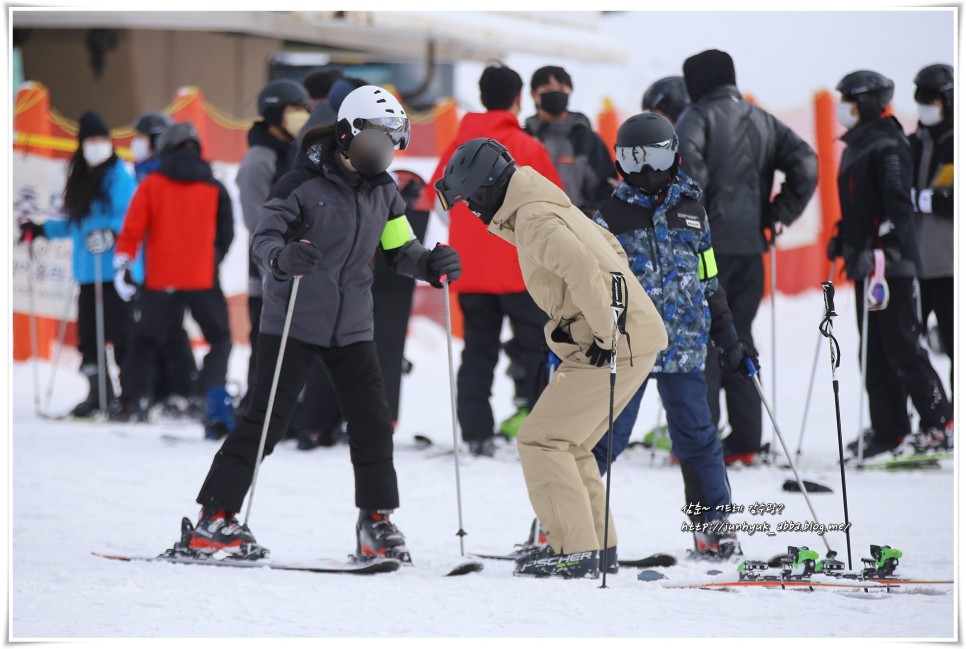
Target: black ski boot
544,562
870,445
376,536
610,561
716,542
91,406
220,533
128,410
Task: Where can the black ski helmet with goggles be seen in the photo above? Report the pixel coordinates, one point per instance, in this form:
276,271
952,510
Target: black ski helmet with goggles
479,173
366,113
647,152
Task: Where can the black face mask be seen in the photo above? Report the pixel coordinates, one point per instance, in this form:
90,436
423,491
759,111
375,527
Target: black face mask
487,201
483,212
554,102
647,179
371,152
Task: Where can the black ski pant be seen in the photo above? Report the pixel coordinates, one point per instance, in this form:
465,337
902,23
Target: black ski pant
743,279
117,324
355,373
255,316
936,296
898,367
483,315
158,309
172,369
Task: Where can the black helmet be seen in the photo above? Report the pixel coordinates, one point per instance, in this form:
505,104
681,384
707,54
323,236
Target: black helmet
647,151
870,91
668,95
478,172
153,123
278,94
934,82
176,135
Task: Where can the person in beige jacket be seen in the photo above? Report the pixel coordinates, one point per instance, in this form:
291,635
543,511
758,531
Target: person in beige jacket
566,260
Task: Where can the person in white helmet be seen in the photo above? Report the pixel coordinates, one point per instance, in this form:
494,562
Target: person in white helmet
323,221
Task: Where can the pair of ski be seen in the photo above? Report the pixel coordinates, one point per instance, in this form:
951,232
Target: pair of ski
351,566
659,560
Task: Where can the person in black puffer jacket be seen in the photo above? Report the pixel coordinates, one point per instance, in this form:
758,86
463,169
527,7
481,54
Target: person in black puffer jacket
733,149
875,183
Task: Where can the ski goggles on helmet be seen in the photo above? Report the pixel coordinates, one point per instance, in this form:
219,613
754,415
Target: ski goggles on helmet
397,128
659,156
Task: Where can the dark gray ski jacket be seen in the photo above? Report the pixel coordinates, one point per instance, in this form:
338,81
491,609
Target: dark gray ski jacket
347,221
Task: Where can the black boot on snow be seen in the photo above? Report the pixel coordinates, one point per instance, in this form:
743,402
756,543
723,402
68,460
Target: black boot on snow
544,562
717,542
870,445
90,407
376,536
610,561
220,533
128,410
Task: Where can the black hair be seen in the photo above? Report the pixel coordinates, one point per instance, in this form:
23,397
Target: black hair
544,74
319,83
84,185
499,87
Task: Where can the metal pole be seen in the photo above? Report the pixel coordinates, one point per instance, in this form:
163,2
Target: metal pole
774,334
811,380
452,404
863,362
271,394
753,373
618,305
32,322
99,320
61,335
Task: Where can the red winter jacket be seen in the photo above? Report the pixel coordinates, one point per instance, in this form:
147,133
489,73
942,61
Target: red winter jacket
490,264
182,217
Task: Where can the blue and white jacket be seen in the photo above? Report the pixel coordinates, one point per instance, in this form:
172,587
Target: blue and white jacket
668,244
106,211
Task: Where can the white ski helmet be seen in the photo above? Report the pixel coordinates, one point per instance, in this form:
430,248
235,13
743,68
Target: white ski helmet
372,107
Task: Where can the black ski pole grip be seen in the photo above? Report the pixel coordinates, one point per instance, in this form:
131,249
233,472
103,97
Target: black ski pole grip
617,289
828,292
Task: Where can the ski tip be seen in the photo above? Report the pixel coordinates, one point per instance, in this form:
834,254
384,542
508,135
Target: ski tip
650,575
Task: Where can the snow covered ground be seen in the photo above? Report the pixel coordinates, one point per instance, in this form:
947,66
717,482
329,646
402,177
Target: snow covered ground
115,488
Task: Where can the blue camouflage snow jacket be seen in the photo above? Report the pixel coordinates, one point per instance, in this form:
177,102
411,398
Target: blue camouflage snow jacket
668,246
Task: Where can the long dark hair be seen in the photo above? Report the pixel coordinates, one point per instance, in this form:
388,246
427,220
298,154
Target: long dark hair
84,185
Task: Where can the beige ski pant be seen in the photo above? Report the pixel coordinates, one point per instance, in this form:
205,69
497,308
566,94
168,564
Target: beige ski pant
556,443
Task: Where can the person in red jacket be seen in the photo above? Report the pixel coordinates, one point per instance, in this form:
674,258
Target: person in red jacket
491,286
182,217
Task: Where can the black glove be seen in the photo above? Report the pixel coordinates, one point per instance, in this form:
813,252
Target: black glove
296,258
860,266
443,261
99,241
834,250
733,358
31,230
410,194
598,355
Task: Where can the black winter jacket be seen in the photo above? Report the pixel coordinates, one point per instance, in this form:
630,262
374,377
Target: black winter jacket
346,216
732,149
875,183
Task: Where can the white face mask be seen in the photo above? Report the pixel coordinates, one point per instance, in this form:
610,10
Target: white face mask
843,113
930,114
140,148
96,153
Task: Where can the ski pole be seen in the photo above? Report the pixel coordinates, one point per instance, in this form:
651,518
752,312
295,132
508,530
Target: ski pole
32,320
618,305
271,394
753,374
99,320
811,380
774,334
452,405
825,329
61,335
863,362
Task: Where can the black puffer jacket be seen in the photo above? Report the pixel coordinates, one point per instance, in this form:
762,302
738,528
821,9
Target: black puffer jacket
345,216
732,149
875,183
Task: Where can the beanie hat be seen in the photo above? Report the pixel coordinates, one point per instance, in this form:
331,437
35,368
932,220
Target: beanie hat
706,71
91,125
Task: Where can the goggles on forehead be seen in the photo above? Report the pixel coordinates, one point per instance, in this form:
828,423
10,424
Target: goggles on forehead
658,156
397,128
